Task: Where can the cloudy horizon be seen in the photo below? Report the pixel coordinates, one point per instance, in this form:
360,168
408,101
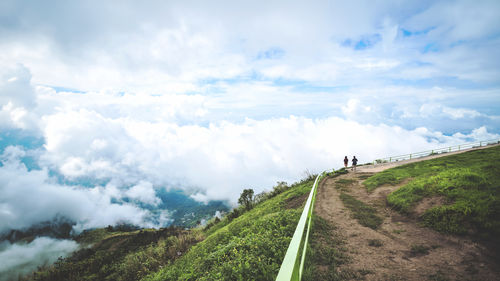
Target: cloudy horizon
102,104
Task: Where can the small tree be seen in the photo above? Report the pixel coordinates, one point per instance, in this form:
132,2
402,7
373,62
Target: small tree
260,197
246,198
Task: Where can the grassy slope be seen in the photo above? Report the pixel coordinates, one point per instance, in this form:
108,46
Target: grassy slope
250,247
469,184
119,255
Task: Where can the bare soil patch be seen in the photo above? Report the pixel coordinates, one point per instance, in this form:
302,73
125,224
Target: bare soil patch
427,203
296,202
400,249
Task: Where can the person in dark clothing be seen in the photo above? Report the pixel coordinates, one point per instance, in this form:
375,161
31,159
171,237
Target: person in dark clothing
354,163
346,161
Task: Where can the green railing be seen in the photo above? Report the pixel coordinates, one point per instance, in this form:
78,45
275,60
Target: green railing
436,151
293,263
291,268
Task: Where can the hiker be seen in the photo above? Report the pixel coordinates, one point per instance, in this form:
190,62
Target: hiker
346,161
354,163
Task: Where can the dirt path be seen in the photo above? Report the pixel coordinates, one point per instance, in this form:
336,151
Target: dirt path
399,249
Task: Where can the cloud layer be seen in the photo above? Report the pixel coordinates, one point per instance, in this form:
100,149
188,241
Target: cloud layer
32,197
125,146
20,259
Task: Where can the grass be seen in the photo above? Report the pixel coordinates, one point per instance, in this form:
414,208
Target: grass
469,182
391,177
417,249
375,243
438,276
364,176
363,213
325,253
344,184
365,271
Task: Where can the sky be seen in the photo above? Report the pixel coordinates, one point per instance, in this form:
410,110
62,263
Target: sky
102,103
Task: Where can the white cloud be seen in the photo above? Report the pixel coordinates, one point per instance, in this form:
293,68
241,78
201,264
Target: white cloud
143,192
190,141
459,113
31,197
175,49
438,111
200,197
17,98
221,158
353,107
15,87
23,258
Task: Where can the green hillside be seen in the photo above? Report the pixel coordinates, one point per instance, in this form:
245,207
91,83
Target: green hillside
247,244
120,254
466,187
249,247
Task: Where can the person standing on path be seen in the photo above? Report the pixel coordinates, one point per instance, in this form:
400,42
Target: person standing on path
354,163
346,161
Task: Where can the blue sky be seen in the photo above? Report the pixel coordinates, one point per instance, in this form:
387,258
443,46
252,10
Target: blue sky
127,98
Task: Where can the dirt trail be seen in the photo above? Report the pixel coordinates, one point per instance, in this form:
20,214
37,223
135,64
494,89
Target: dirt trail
400,248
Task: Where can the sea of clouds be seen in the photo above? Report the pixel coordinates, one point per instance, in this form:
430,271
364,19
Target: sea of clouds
135,143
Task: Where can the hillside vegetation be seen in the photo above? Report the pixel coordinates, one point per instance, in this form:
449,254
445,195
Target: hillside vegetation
464,189
249,247
120,254
249,243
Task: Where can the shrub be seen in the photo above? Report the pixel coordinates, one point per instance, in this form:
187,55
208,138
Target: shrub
375,243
